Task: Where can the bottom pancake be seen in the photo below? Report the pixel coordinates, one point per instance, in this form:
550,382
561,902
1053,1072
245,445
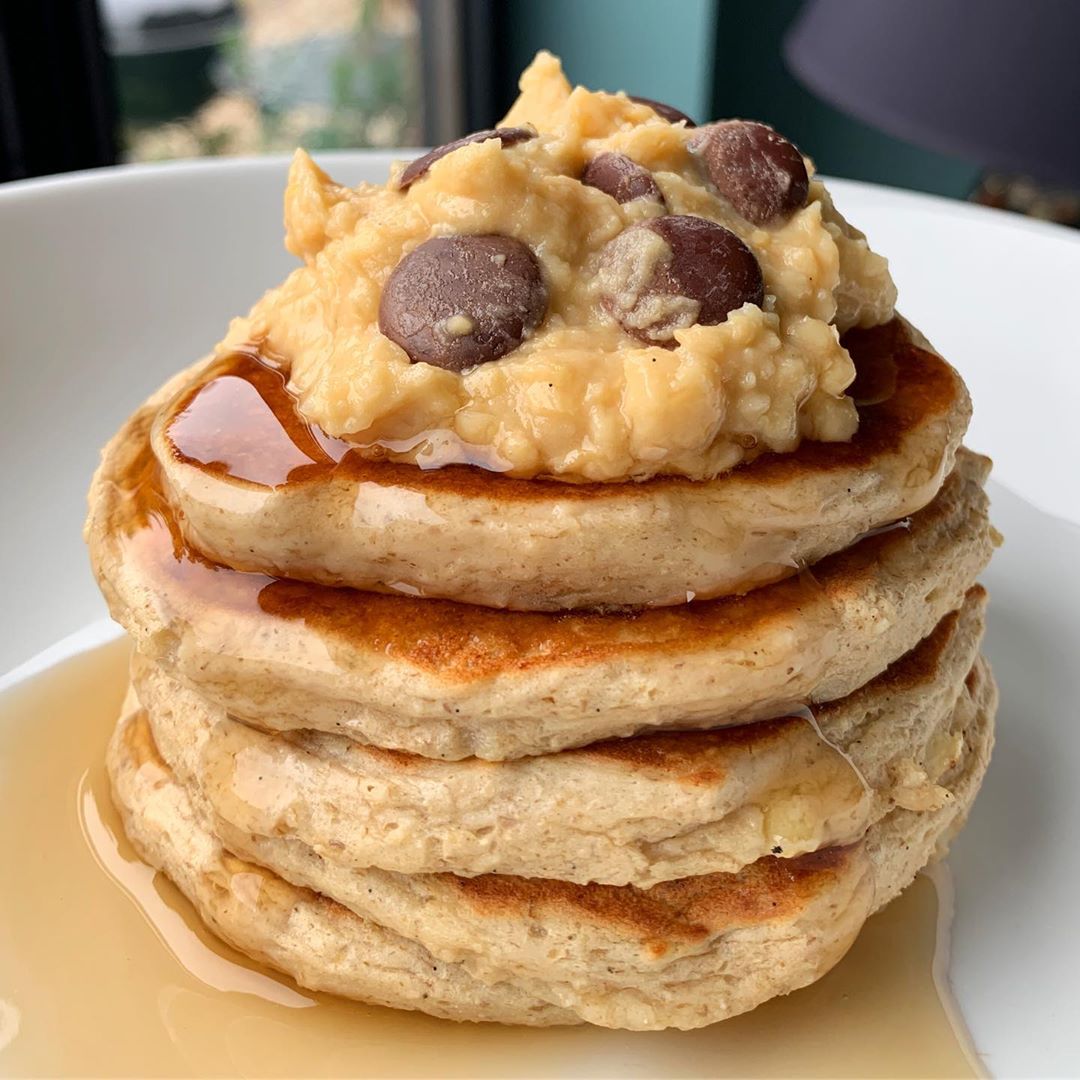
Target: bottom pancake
321,944
682,954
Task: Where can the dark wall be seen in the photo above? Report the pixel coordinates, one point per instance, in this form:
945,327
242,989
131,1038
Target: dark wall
56,109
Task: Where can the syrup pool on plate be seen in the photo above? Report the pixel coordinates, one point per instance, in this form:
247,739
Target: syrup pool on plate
105,970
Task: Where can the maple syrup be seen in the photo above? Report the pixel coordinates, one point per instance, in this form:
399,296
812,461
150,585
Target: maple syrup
105,969
242,422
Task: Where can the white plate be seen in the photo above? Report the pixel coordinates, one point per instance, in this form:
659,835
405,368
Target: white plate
112,280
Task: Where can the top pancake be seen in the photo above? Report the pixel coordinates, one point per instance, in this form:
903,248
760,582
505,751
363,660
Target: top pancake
256,488
450,680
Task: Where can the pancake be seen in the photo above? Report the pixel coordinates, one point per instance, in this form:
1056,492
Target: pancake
326,946
257,488
622,957
682,954
451,681
635,811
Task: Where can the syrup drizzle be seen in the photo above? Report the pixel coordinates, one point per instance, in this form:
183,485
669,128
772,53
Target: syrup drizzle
243,422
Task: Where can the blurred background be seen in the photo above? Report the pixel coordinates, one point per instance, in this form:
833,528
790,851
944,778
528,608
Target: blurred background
972,99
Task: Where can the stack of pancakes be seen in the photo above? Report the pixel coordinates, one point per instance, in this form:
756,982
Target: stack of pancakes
641,755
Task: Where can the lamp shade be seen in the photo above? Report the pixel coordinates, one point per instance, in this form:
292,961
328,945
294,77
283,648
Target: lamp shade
996,81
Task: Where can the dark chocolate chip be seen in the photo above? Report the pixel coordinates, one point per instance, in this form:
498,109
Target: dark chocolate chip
699,274
509,136
755,168
621,178
668,112
459,301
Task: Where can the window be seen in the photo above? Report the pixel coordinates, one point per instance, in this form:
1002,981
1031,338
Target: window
211,77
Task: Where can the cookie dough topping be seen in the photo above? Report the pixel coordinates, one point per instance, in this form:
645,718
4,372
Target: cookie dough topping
668,112
507,136
595,290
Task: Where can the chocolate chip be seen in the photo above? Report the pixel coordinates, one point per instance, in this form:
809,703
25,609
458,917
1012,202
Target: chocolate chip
755,168
621,178
675,271
509,136
668,112
459,301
